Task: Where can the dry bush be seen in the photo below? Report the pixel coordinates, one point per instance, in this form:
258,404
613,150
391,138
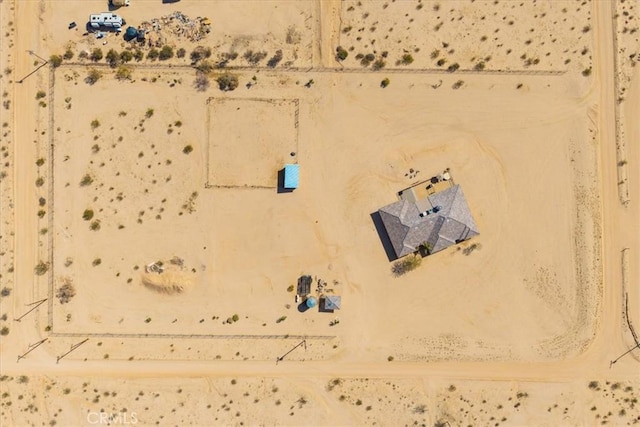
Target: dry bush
201,82
406,264
66,291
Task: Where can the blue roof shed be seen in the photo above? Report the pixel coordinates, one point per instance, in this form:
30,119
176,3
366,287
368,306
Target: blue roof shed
291,176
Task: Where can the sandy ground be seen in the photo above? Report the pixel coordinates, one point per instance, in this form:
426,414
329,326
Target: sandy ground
151,169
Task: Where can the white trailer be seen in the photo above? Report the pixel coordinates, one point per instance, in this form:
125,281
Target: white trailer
106,20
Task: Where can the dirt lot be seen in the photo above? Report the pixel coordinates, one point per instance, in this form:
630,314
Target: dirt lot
148,168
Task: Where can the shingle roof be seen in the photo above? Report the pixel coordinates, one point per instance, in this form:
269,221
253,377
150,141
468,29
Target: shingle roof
452,224
332,302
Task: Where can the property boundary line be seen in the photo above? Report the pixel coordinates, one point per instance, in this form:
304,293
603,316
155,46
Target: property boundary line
621,149
190,336
351,70
211,100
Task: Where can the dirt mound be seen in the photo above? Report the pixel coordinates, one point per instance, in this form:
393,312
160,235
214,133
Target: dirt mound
171,278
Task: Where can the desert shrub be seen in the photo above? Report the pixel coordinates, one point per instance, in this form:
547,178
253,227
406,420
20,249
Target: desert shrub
458,84
341,53
290,288
86,180
95,225
95,124
4,331
441,62
187,149
479,66
254,58
379,64
66,292
406,264
165,53
68,54
112,58
138,55
126,56
235,317
385,82
200,53
204,67
275,59
39,181
93,76
55,60
367,59
40,94
41,268
123,73
96,262
406,59
227,82
453,67
149,113
83,55
586,72
281,319
201,82
181,53
87,214
5,292
153,54
96,54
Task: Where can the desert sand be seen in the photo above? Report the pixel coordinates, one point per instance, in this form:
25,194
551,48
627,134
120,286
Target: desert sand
149,257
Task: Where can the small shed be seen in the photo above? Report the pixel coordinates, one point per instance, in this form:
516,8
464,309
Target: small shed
332,302
304,285
291,176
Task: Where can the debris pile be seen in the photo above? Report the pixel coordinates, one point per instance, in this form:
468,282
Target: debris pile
176,24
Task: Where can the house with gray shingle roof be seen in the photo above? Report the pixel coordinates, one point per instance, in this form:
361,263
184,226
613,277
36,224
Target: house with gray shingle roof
433,214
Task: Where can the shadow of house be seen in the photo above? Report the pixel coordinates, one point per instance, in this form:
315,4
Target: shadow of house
280,188
384,236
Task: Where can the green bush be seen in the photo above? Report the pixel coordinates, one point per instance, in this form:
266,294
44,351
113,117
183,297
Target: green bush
113,58
96,54
406,59
93,76
55,60
341,53
126,56
165,53
153,54
385,82
41,268
227,82
187,149
87,214
406,264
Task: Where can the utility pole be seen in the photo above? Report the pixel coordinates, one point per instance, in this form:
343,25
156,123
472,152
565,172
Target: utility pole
37,304
303,342
31,348
73,347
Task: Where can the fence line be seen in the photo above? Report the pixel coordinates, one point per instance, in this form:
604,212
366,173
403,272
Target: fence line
350,70
191,336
